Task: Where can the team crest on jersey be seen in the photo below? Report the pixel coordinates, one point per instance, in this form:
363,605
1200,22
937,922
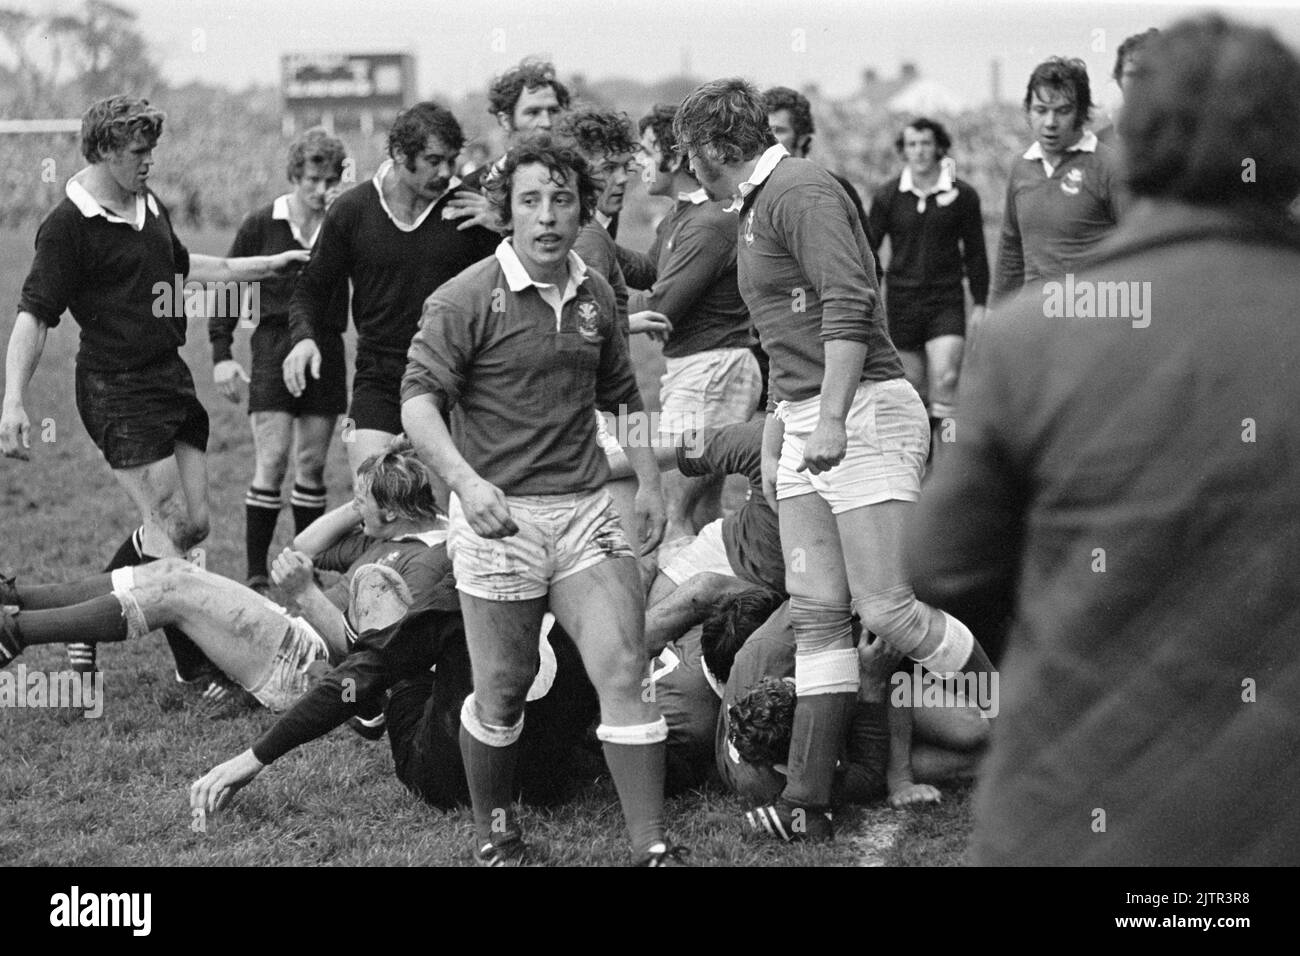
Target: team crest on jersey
1072,181
589,321
749,228
392,556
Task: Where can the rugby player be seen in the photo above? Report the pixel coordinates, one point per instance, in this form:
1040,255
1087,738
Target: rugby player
846,437
1127,58
102,254
522,349
388,541
389,237
711,379
279,420
1131,685
1064,195
936,234
789,113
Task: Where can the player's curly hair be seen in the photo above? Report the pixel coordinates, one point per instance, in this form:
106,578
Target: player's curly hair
111,124
598,132
1207,94
318,147
725,631
784,98
560,159
660,121
1132,47
761,721
725,121
1069,77
529,74
942,141
413,126
399,481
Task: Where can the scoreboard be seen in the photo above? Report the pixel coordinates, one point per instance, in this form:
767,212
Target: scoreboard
347,87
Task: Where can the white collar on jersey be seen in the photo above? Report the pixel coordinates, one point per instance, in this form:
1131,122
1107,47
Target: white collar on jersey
1087,144
517,276
694,198
280,210
766,163
90,207
378,182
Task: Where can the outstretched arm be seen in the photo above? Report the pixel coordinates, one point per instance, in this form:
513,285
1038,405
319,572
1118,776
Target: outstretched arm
246,268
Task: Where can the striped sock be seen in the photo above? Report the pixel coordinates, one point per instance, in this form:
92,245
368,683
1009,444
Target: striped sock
82,657
308,505
261,512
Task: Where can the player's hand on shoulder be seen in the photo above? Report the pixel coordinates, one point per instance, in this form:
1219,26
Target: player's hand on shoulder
291,572
226,375
15,433
302,358
486,510
914,795
473,208
214,789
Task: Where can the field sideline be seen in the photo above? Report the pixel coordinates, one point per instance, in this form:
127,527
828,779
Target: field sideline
114,791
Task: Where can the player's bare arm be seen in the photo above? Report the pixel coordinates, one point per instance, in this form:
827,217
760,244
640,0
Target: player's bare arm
291,572
26,344
828,442
246,269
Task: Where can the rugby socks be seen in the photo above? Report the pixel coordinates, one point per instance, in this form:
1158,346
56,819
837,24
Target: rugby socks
308,505
43,597
821,723
100,619
490,754
261,512
130,552
637,760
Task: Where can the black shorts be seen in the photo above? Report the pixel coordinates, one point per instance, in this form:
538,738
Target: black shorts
918,315
136,418
327,395
377,392
423,720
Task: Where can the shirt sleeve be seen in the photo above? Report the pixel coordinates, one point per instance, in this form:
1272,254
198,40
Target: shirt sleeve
1009,277
819,235
345,552
731,450
700,255
975,257
615,377
639,270
330,262
221,327
55,277
441,351
878,221
180,254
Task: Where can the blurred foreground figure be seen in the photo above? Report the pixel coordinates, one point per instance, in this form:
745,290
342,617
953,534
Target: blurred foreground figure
1133,480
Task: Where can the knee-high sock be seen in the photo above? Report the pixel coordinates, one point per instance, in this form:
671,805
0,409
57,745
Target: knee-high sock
821,723
261,512
308,504
490,754
82,656
42,597
97,621
637,759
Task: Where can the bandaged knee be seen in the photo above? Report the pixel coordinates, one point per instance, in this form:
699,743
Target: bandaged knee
489,734
820,625
123,580
826,672
634,734
953,651
896,616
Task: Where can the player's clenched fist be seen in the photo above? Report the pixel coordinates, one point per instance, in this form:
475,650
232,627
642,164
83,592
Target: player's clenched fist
291,572
15,433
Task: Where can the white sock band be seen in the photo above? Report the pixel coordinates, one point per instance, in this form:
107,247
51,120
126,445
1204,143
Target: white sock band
124,590
634,734
488,734
953,651
826,672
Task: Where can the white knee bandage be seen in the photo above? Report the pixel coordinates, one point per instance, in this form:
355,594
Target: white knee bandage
953,651
123,580
826,672
896,616
634,734
489,734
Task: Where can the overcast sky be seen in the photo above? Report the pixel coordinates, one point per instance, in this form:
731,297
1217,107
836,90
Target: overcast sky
459,45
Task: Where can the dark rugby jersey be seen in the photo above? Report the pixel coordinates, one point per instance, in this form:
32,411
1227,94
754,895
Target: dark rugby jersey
377,659
751,533
931,249
393,270
694,282
267,232
522,386
805,270
1054,224
118,282
689,705
596,247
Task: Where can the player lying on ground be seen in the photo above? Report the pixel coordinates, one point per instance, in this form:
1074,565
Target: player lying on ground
281,421
522,349
102,254
392,560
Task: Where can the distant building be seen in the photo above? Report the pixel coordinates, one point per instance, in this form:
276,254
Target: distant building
345,91
909,93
